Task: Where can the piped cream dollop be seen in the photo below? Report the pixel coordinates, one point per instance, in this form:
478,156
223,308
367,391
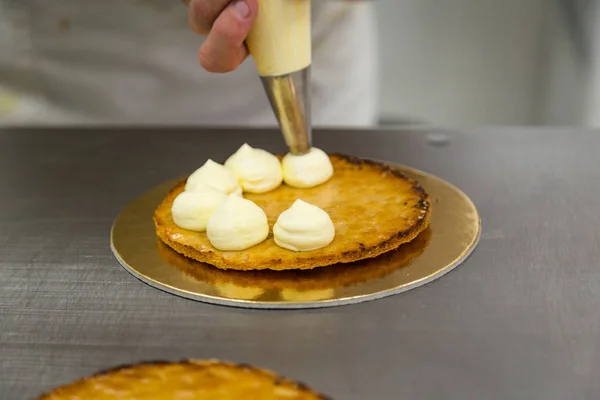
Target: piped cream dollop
216,176
303,227
237,224
257,170
191,210
307,170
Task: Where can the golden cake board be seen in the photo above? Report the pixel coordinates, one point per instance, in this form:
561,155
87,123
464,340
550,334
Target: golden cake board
453,234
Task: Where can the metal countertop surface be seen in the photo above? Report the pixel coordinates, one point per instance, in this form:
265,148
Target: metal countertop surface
520,319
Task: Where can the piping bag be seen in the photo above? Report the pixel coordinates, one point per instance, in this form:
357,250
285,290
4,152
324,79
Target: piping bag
280,43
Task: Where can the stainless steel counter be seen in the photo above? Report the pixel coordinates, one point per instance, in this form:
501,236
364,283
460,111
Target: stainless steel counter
520,319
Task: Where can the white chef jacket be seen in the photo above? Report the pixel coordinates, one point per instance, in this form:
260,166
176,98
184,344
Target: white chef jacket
135,62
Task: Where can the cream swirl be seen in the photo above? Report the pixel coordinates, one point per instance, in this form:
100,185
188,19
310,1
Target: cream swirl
216,176
237,224
303,227
257,170
191,210
307,170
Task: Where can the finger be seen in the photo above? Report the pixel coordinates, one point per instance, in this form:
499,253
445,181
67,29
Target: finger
203,13
224,48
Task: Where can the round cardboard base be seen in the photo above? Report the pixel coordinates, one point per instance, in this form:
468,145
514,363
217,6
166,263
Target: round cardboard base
452,235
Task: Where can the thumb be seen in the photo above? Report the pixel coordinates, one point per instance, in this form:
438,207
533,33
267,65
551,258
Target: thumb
224,48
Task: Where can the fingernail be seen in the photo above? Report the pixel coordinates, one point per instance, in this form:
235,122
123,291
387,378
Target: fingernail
241,8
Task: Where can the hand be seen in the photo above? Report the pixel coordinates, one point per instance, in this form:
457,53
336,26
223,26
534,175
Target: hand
226,24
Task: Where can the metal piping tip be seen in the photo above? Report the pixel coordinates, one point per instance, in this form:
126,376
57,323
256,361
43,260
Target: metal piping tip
289,96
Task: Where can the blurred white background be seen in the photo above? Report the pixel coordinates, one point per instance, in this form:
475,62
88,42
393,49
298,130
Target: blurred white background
446,62
473,62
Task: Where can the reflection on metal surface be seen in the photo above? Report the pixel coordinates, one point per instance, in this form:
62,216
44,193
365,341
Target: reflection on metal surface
453,233
289,96
288,283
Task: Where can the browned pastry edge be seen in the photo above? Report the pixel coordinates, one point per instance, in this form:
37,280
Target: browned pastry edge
382,247
338,275
277,379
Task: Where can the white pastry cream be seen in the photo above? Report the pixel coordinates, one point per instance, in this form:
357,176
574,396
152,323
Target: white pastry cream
216,176
307,170
237,224
257,170
191,210
303,227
